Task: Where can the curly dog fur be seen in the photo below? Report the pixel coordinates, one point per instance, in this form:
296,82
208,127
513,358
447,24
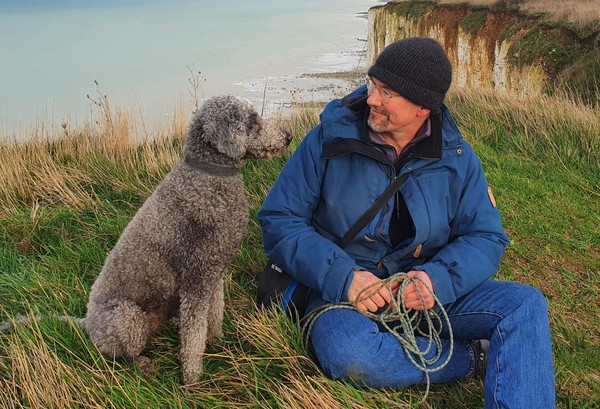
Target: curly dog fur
171,258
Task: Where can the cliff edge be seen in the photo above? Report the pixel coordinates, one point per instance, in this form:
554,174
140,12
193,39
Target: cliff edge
498,48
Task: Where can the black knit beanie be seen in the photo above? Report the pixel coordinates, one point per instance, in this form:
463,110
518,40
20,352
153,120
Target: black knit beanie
416,68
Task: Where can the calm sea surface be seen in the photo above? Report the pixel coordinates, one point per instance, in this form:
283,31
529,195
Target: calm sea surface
141,53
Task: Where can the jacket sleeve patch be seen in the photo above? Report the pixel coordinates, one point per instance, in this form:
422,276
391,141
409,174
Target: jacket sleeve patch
491,196
417,252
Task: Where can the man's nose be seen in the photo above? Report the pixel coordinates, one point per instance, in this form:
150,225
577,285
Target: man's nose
373,100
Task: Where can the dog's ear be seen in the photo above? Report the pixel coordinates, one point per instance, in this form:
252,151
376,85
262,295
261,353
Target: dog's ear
222,122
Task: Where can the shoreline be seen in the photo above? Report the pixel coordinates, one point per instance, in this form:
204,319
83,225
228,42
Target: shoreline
274,96
344,72
312,90
319,89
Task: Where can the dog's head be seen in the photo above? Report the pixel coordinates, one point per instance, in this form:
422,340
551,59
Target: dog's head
231,126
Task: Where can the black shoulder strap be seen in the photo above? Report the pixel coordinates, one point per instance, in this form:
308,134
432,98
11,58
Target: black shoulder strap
372,211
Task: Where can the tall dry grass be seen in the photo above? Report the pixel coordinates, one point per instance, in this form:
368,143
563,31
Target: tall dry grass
575,11
42,379
62,168
58,167
563,128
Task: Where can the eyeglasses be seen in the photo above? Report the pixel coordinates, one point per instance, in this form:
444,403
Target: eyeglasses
384,94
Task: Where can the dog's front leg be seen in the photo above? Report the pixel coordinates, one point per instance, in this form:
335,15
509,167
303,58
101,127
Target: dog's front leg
193,327
215,315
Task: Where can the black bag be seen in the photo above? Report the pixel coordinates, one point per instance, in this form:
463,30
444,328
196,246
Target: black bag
278,287
275,286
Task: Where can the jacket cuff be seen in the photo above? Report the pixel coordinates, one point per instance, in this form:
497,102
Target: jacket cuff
337,281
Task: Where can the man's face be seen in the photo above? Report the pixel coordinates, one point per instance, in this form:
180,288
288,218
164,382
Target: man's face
392,116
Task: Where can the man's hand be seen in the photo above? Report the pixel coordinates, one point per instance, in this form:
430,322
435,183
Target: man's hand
412,299
362,280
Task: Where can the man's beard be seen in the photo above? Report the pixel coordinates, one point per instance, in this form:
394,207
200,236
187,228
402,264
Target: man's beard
381,125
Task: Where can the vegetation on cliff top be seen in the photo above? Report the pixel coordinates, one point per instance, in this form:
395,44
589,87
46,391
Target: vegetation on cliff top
575,11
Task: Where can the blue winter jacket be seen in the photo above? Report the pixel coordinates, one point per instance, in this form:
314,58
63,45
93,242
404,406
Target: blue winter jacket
335,175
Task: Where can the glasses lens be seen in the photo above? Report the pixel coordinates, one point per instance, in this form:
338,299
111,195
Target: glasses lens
384,94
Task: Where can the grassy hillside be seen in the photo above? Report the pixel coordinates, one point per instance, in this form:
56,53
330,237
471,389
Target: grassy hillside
64,203
575,11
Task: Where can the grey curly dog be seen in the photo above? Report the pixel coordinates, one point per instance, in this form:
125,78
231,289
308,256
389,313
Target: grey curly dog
171,258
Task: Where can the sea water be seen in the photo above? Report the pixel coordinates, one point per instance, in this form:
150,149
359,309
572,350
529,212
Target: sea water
144,54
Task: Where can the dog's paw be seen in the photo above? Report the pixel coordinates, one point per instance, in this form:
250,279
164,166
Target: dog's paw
189,377
145,364
174,322
216,335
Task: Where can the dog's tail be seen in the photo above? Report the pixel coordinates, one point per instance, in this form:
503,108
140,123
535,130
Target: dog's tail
9,326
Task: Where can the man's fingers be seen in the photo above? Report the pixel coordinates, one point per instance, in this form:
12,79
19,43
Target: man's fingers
417,302
385,294
367,305
416,288
378,300
371,302
416,296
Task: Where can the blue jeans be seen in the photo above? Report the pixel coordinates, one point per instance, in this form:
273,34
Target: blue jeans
512,316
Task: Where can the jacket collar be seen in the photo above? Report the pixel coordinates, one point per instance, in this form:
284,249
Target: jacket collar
357,109
430,147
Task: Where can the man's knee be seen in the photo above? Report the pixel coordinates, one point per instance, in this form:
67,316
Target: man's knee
514,295
533,297
342,342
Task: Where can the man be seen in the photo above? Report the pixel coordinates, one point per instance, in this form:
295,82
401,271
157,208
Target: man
442,227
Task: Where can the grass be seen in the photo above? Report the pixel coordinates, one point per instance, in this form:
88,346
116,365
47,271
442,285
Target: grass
64,201
575,11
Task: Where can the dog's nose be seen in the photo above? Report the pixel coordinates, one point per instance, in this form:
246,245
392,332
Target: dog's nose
288,137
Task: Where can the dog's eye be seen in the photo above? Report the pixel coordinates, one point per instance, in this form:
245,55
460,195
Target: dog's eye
255,123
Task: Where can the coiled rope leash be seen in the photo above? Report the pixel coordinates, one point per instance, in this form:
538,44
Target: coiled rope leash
408,321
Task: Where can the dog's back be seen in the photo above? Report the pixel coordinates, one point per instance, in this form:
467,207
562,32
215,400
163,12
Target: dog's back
189,218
